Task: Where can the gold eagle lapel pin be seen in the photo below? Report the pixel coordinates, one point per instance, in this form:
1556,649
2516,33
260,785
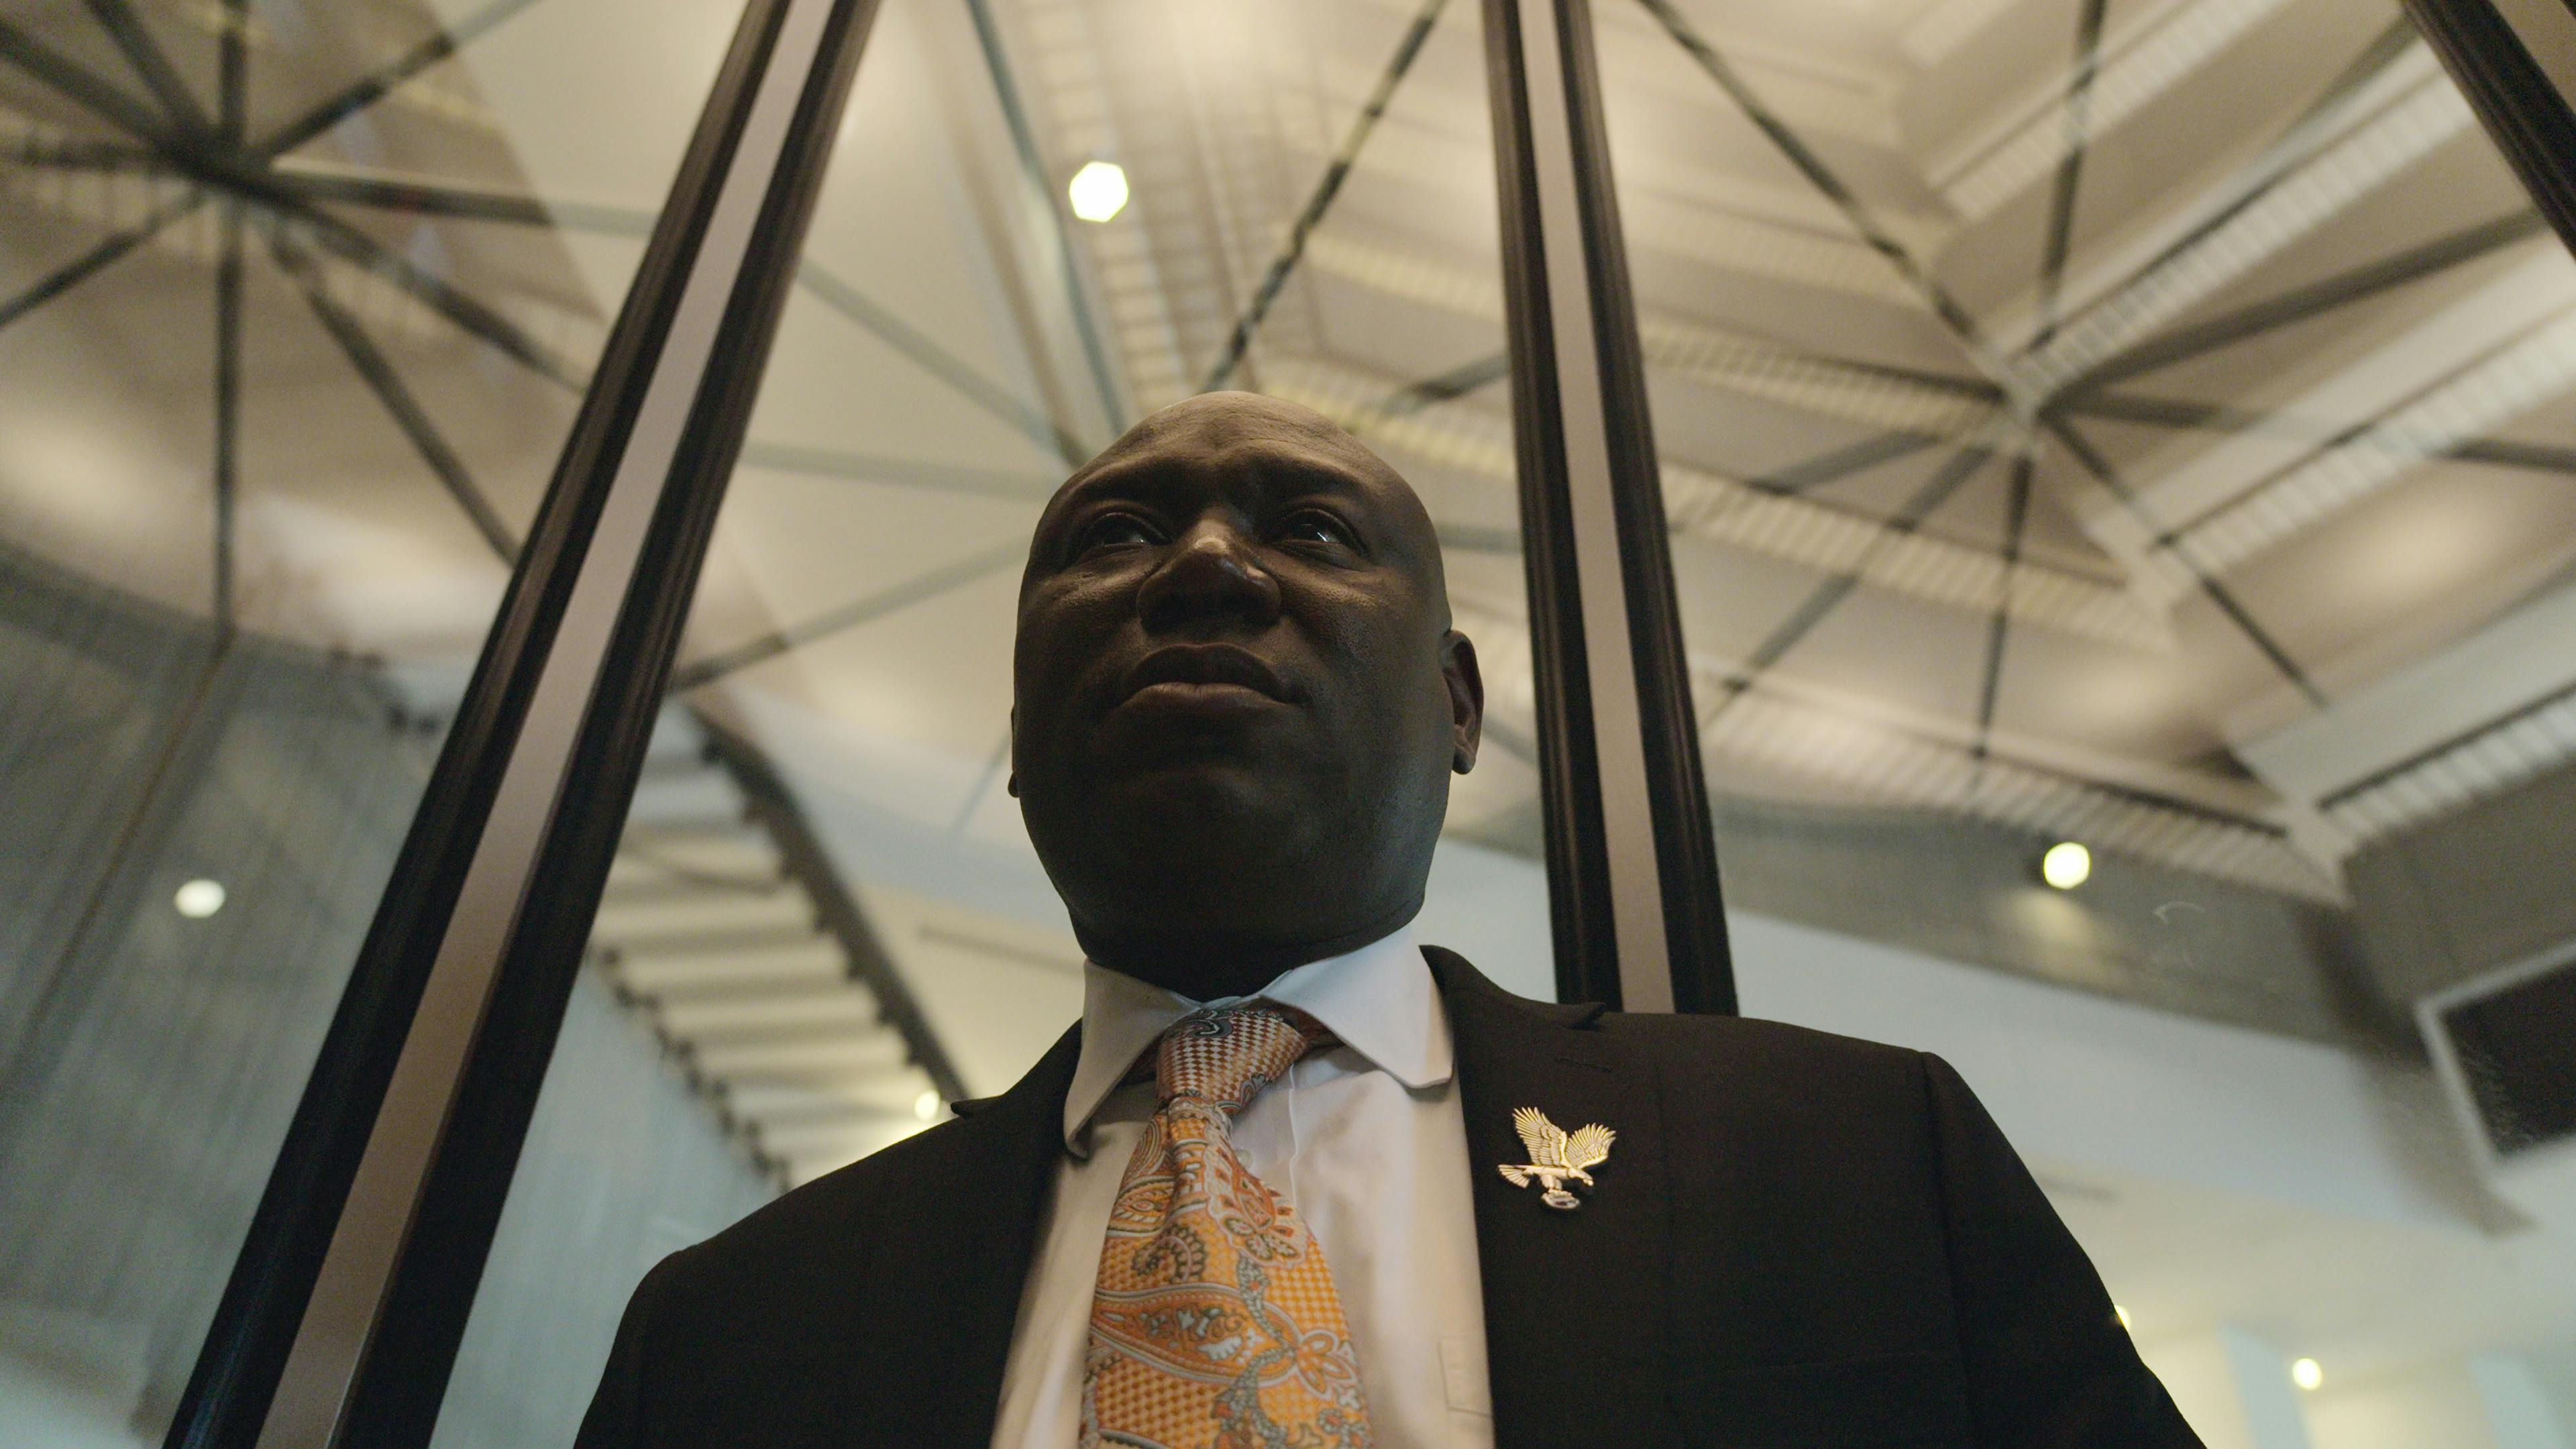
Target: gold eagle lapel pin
1556,1156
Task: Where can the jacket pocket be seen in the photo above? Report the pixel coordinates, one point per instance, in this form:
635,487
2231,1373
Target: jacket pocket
1881,1401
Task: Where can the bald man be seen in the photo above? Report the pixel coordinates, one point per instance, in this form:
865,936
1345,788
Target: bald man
1296,1181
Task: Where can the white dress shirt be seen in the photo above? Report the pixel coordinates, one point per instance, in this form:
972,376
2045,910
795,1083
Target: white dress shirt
1365,1139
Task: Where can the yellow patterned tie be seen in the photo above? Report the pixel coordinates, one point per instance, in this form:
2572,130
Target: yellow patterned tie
1215,1324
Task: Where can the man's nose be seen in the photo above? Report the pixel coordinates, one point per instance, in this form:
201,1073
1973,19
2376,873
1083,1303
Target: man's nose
1213,574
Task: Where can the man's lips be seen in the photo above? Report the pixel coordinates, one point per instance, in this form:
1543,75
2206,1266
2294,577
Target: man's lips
1211,670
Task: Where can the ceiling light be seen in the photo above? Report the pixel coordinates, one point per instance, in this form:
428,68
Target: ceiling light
2306,1374
2121,1314
199,898
1098,191
2066,866
926,1106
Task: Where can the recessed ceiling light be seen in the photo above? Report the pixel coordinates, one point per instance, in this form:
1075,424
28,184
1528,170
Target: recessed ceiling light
2066,866
2306,1374
1098,191
199,898
2121,1314
926,1106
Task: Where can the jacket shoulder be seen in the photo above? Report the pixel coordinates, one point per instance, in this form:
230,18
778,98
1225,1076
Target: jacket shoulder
1778,1045
818,1232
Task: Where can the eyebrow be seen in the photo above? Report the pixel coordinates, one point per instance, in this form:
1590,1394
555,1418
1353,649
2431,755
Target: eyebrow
1151,475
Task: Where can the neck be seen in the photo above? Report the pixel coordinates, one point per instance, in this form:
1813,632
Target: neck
1204,968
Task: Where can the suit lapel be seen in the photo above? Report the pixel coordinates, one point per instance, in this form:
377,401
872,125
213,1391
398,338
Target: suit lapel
951,1260
1576,1319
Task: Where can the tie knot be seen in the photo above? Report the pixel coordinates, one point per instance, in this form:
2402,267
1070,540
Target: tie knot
1225,1055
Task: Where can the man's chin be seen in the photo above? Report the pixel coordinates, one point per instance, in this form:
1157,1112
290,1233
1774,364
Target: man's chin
1206,789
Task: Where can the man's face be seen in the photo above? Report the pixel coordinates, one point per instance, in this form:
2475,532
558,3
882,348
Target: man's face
1235,675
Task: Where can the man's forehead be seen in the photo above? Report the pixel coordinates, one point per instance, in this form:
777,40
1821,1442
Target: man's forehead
1236,434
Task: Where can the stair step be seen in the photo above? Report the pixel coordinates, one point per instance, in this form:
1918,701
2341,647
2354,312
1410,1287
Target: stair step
703,794
850,1011
789,1101
668,979
828,1059
682,915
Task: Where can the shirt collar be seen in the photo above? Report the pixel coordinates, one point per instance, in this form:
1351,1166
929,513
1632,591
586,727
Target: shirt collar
1379,1000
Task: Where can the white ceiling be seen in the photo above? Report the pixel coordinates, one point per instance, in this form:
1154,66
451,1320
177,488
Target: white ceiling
932,379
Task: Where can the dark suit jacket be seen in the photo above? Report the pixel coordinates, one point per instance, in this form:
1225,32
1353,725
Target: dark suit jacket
1802,1240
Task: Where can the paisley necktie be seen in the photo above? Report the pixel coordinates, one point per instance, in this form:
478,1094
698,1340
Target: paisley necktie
1214,1324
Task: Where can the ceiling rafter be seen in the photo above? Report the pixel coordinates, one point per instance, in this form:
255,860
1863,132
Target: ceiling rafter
376,84
2343,289
159,77
2077,133
100,256
2140,68
378,373
2475,764
1782,729
1845,388
1810,533
1944,483
2218,417
1918,277
2372,455
80,85
1999,623
1327,187
875,605
2095,464
2025,394
1041,197
2308,186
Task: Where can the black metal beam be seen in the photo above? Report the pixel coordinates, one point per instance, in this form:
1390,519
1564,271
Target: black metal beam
424,198
431,290
1937,490
372,87
1042,196
1999,623
88,155
1449,386
228,359
899,472
1320,200
849,616
1821,176
232,73
79,269
924,352
2109,477
1844,461
124,27
80,84
377,371
2218,417
2299,304
2070,170
2383,51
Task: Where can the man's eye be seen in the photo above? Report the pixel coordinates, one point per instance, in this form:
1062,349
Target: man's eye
1312,527
1114,530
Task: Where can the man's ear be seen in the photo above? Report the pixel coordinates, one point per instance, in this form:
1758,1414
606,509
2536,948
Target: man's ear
1466,699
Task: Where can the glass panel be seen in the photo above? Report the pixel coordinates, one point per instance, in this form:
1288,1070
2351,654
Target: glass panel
2139,428
826,910
266,437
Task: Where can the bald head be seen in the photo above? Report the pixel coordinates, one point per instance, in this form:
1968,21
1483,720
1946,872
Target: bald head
1238,697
